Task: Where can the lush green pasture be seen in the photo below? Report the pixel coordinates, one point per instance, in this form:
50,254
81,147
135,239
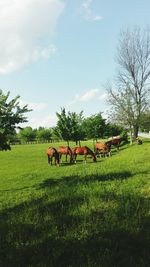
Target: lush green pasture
94,214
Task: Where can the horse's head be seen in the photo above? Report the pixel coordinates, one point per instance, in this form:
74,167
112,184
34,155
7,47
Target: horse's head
108,143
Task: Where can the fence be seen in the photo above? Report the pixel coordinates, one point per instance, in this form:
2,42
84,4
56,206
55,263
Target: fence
22,142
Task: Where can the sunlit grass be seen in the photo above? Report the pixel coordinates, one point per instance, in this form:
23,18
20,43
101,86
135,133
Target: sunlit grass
94,214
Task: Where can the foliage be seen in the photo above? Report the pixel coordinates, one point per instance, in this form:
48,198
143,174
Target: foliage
43,134
11,115
145,121
64,124
27,134
94,126
113,130
70,125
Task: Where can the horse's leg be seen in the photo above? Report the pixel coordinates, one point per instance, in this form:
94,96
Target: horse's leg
60,158
48,157
118,146
57,162
85,156
75,156
96,151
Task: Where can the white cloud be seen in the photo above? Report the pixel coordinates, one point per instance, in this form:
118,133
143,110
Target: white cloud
91,94
43,121
87,12
34,106
25,30
38,116
102,96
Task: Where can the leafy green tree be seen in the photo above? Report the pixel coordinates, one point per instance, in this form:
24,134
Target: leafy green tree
27,134
44,134
113,130
77,130
11,115
94,126
64,125
70,125
145,121
56,135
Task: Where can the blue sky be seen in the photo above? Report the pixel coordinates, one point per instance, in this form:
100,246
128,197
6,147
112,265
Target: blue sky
61,53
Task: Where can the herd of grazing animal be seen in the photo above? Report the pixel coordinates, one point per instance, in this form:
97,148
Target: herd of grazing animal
100,148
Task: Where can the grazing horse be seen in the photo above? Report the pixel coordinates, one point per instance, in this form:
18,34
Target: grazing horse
83,151
115,142
52,153
102,148
65,150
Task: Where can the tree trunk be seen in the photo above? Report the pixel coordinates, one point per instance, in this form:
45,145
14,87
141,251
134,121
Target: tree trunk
135,132
131,136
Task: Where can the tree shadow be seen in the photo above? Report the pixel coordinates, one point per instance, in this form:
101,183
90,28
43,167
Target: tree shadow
62,228
59,238
18,189
76,179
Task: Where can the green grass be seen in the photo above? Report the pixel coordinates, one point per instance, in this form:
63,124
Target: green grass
94,214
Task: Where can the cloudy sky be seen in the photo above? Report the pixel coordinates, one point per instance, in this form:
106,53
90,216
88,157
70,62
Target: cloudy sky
61,53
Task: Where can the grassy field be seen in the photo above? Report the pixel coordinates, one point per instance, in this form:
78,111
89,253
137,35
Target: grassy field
81,215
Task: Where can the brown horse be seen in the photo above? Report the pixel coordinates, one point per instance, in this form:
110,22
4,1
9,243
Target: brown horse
83,151
52,153
102,149
65,150
115,142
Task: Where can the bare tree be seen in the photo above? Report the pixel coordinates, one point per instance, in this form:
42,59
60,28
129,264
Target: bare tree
132,95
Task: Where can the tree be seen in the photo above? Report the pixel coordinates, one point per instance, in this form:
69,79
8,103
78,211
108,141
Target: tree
113,130
64,125
132,95
94,126
70,125
11,115
27,134
77,130
44,134
145,121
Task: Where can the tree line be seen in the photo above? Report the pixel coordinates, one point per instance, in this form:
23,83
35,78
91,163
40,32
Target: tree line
71,126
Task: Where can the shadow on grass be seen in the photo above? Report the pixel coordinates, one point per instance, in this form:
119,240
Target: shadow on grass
76,180
17,189
55,230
